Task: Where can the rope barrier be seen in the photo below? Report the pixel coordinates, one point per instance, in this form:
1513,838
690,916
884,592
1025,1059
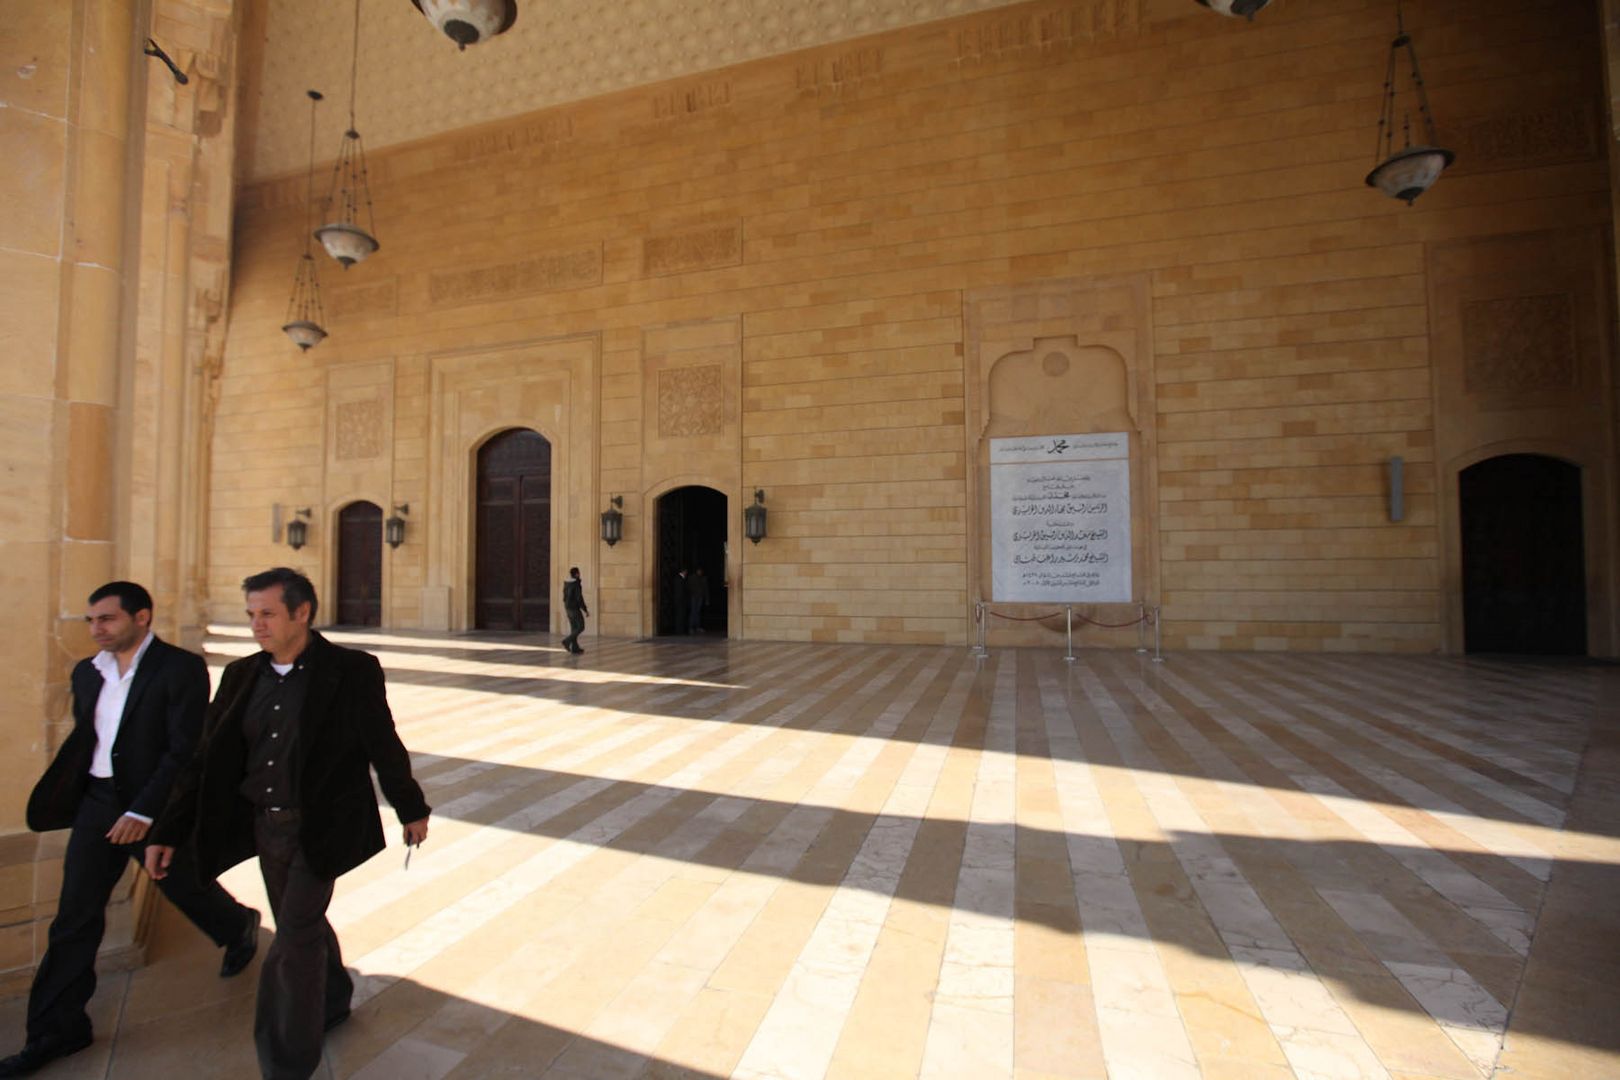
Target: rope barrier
1148,617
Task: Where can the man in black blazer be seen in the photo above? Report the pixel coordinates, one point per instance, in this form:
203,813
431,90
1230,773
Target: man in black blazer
284,772
137,711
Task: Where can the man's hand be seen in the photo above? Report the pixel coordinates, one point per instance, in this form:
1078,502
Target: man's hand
416,831
128,830
158,858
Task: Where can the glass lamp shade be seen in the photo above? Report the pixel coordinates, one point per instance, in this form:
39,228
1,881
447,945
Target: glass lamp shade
297,534
394,531
468,22
1410,172
612,527
304,334
348,244
1244,9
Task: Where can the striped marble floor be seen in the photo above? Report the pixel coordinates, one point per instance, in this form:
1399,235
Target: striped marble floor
792,860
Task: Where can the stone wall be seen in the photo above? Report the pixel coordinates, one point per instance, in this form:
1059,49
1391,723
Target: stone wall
798,274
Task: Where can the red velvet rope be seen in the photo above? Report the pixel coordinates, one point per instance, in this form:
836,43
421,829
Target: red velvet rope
1145,617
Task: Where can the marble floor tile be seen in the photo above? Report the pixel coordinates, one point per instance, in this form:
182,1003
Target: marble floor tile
774,860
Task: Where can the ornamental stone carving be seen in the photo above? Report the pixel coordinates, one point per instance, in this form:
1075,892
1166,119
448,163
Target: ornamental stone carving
691,401
1519,344
693,249
359,430
575,269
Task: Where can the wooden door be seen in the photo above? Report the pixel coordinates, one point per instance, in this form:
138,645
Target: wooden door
513,533
359,584
1524,557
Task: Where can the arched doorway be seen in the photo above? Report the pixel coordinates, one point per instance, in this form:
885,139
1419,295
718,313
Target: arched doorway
1523,556
359,565
691,537
512,533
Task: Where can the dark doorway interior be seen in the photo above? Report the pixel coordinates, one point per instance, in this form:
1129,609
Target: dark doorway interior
359,560
512,533
1524,564
691,534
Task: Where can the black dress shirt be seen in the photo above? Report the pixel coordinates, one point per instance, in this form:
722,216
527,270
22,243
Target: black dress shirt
270,729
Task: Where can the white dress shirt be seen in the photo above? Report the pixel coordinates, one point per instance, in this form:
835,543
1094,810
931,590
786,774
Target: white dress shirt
110,708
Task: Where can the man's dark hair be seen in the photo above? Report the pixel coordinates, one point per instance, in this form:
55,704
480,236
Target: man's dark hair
131,597
296,589
573,571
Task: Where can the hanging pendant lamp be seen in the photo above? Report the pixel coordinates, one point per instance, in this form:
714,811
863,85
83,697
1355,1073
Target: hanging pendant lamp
343,236
1410,171
304,314
1242,9
468,22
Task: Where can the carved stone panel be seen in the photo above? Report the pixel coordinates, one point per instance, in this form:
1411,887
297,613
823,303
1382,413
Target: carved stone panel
692,249
691,401
1519,343
552,271
359,430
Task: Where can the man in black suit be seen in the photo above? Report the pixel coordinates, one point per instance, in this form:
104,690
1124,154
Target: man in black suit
137,711
284,772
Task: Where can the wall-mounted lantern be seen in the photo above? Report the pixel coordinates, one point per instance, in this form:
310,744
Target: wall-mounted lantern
394,527
754,517
613,522
298,529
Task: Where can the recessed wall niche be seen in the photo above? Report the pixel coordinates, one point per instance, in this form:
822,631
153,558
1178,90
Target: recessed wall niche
1063,357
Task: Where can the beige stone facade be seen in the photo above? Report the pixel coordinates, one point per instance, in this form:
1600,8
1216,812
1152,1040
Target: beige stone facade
829,276
840,248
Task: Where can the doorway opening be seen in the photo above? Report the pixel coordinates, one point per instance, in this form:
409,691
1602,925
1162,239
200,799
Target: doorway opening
691,538
359,565
1523,556
512,533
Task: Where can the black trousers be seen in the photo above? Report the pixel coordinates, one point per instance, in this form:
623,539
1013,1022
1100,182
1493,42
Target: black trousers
91,868
302,983
576,627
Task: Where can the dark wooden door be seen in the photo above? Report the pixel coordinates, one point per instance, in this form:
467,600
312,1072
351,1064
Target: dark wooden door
691,534
359,584
1524,562
513,533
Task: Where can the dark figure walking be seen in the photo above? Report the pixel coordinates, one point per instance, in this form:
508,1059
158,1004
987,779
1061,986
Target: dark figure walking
697,598
137,712
284,772
573,598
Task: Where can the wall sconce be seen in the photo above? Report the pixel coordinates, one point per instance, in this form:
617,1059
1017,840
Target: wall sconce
298,529
1397,488
613,522
754,517
394,527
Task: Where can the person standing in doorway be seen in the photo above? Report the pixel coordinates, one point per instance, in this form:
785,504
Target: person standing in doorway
573,597
137,712
697,598
284,772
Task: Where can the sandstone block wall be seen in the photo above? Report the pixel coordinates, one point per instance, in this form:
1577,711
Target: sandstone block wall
771,269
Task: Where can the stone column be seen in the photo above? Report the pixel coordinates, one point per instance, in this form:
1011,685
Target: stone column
68,69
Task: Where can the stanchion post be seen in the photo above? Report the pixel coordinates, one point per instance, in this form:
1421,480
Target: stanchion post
1158,636
1141,627
1069,632
979,614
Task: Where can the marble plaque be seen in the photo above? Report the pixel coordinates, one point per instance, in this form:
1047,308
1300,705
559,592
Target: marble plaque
1060,519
